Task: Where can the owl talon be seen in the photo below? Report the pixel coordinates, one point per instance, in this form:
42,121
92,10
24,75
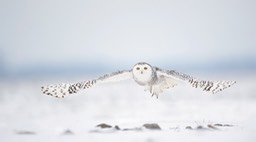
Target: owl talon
154,95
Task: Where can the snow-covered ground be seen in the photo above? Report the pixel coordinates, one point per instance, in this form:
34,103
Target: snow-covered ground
28,115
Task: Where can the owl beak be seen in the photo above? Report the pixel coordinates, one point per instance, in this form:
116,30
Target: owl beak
141,72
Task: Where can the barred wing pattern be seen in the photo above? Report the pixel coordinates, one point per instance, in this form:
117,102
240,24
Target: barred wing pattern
65,89
211,86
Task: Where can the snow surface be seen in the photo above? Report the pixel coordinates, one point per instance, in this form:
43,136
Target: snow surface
28,115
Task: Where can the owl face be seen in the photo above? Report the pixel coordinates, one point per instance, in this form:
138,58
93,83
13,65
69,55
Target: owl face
142,73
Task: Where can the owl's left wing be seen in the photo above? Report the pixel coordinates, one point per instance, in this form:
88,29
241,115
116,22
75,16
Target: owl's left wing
65,89
211,86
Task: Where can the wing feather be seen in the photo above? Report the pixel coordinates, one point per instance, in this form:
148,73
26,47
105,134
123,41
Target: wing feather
65,89
115,76
211,86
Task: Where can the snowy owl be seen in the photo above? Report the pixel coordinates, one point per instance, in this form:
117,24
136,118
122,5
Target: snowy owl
154,79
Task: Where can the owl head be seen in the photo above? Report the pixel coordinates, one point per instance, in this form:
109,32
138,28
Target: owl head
142,73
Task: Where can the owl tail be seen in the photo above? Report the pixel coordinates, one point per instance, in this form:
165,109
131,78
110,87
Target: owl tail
211,86
63,90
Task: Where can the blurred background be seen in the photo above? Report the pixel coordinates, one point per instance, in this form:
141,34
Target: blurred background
56,37
54,41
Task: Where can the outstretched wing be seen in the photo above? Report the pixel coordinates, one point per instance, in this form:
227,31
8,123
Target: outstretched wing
65,89
211,86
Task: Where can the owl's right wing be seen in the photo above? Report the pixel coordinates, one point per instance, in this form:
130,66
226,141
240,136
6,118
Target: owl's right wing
65,89
211,86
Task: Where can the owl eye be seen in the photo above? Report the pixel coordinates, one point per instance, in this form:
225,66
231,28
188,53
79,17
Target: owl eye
145,68
138,68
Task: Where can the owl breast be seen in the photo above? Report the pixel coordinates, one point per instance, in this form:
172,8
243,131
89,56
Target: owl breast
142,80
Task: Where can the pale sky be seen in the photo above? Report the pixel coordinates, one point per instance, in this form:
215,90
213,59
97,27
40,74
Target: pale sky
53,32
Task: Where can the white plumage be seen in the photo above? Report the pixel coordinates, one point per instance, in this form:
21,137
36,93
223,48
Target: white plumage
154,79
